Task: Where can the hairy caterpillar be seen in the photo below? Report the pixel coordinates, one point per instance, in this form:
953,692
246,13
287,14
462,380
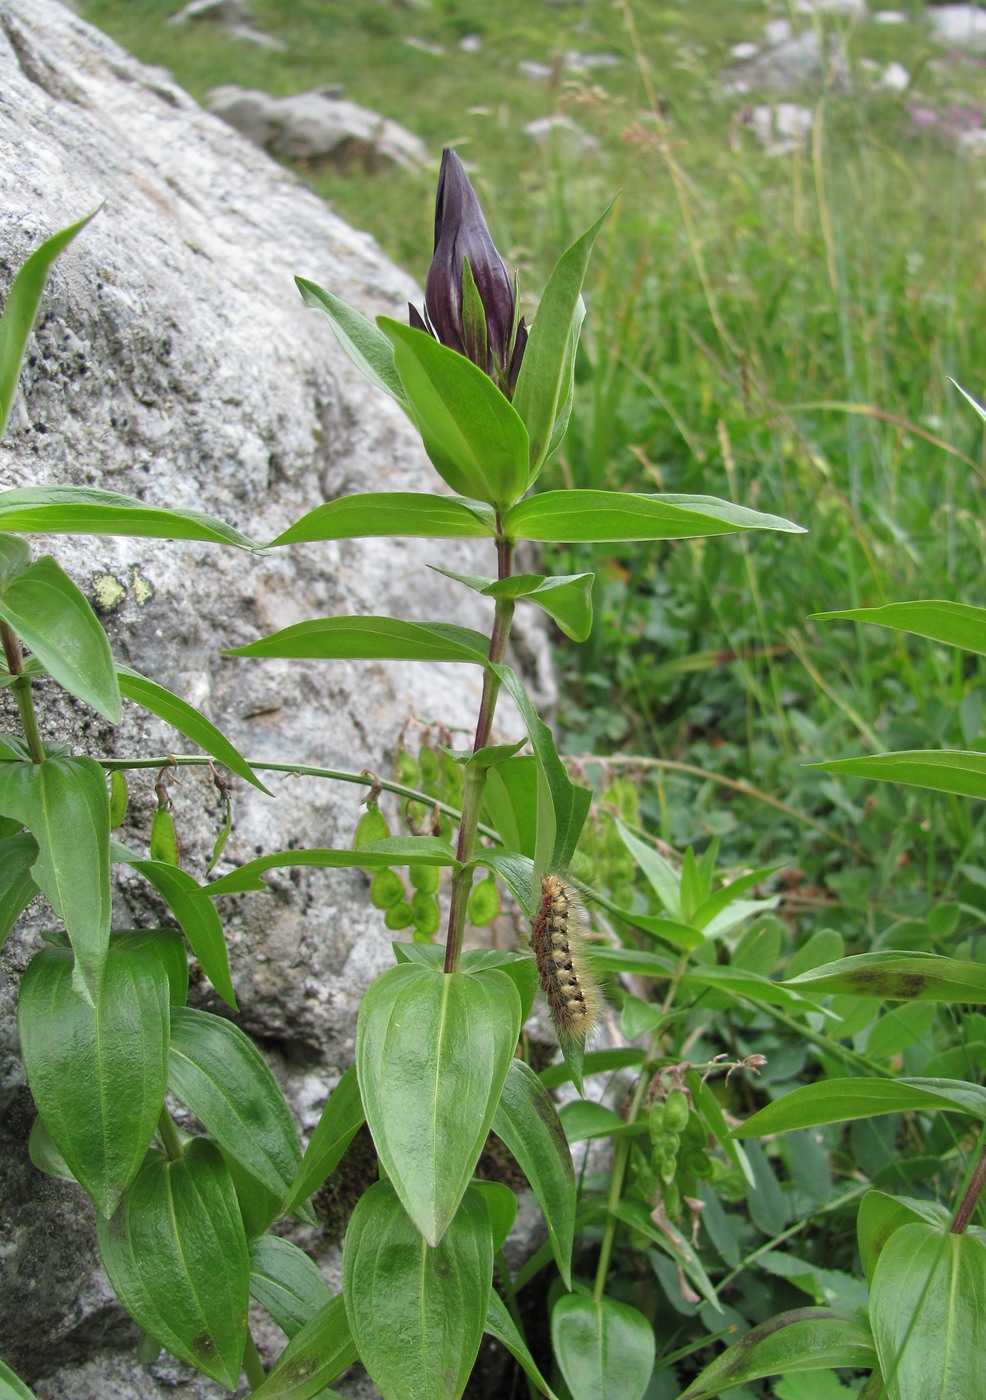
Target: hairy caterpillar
558,941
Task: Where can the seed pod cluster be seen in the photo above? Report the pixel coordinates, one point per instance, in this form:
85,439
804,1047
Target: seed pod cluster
558,941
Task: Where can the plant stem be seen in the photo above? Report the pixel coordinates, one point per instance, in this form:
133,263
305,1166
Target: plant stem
970,1197
475,776
21,688
252,1364
170,1137
620,1159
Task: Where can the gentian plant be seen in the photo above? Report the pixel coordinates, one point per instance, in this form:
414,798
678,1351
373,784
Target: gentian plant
185,1220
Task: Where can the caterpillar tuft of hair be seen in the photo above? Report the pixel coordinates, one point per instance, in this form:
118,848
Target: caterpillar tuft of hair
558,941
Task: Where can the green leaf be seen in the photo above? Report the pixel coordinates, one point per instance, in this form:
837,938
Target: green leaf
368,348
969,399
84,510
378,855
842,1100
187,720
371,638
167,947
601,516
672,1242
44,1154
417,1313
65,805
15,556
510,795
500,1324
314,1357
942,770
928,1312
341,1119
21,308
393,513
476,440
192,906
566,597
544,383
880,1216
12,1387
286,1282
527,1122
53,618
565,805
596,1062
604,1348
584,1118
898,976
97,1072
501,1204
221,1076
17,855
177,1259
662,877
955,624
805,1339
432,1054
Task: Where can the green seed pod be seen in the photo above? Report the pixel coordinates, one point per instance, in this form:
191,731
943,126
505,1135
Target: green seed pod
667,1169
426,914
671,1195
484,903
164,838
428,764
118,798
399,916
406,769
676,1111
372,826
386,890
667,1142
655,1119
424,877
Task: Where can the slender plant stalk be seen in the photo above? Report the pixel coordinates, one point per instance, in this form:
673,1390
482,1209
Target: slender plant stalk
475,776
22,692
972,1192
252,1364
620,1159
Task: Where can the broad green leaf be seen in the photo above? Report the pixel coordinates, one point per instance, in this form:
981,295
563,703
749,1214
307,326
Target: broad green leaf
662,877
601,516
315,1355
432,1054
167,947
51,616
956,624
393,513
64,803
544,383
942,770
313,1358
566,597
15,556
341,1119
371,638
221,1076
527,1121
44,1153
84,510
842,1100
12,1387
672,1242
475,438
715,905
679,935
21,308
378,855
191,904
567,803
417,1312
583,1119
368,348
896,976
501,1205
516,872
187,720
928,1312
519,967
604,1348
17,855
500,1324
880,1216
97,1073
510,795
596,1062
177,1259
286,1282
805,1339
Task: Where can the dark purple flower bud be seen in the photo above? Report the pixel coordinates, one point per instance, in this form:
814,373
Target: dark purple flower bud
470,303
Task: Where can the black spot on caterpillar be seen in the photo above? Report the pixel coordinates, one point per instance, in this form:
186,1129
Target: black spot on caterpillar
558,941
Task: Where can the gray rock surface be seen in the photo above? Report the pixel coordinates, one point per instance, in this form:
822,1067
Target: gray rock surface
174,360
789,64
317,126
962,26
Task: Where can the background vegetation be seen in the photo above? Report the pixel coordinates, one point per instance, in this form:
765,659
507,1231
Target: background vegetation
779,330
